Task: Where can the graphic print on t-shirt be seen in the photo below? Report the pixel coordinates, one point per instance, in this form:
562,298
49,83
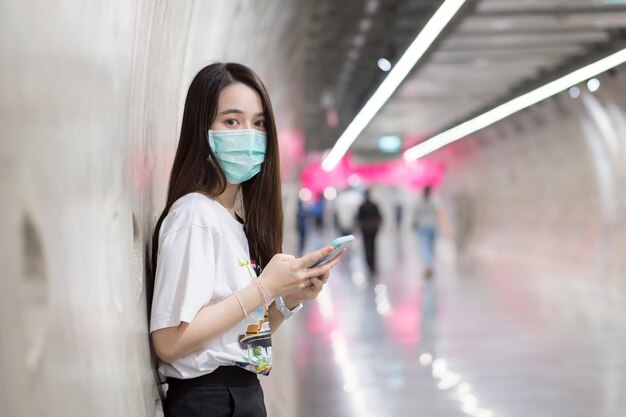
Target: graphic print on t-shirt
257,340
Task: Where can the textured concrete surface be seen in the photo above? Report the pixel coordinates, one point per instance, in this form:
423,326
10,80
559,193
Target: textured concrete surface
543,194
91,100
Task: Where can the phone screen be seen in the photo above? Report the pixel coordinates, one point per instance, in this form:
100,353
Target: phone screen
339,245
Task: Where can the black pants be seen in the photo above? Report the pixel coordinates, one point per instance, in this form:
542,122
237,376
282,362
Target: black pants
369,241
229,391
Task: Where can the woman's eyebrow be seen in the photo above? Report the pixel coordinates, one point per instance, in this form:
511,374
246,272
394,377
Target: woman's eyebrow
237,111
229,111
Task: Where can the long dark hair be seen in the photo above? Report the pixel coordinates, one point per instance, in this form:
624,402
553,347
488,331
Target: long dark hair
192,172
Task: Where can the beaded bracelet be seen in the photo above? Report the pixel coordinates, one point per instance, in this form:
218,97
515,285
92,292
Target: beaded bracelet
259,286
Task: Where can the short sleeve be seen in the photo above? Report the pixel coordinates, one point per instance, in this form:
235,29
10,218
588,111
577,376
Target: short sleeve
185,276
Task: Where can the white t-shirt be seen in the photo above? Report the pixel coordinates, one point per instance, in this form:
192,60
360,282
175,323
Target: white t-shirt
204,258
425,213
347,206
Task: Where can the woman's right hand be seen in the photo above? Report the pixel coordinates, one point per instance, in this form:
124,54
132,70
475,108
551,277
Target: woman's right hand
286,274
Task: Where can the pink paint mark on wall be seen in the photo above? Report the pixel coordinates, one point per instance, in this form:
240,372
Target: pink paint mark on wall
291,145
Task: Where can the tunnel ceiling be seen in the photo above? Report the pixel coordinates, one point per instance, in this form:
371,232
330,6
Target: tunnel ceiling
493,50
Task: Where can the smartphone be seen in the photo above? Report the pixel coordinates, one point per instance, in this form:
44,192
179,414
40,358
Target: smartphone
339,245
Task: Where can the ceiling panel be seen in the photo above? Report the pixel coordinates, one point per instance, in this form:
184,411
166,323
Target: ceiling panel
496,47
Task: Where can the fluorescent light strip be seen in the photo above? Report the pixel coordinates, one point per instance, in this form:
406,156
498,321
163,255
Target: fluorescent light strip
513,106
397,74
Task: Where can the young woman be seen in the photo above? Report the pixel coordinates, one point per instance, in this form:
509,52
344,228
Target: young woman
426,216
221,284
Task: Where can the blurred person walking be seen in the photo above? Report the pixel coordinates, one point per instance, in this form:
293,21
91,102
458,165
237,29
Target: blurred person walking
369,221
398,209
346,208
317,212
302,226
221,286
426,223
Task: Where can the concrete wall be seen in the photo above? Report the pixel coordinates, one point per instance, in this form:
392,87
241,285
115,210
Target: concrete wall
91,98
541,197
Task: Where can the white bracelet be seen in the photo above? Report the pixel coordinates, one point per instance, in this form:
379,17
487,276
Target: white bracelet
241,304
284,310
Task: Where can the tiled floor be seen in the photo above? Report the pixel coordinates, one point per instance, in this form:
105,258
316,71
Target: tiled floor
465,343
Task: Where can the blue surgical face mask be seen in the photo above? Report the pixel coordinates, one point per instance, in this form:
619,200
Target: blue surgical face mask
240,153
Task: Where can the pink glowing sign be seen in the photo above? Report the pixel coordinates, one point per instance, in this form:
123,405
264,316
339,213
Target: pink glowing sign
416,174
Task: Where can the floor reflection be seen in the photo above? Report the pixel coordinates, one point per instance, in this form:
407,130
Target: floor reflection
460,344
428,327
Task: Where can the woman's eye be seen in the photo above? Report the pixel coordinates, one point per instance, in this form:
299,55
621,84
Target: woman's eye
260,123
231,122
